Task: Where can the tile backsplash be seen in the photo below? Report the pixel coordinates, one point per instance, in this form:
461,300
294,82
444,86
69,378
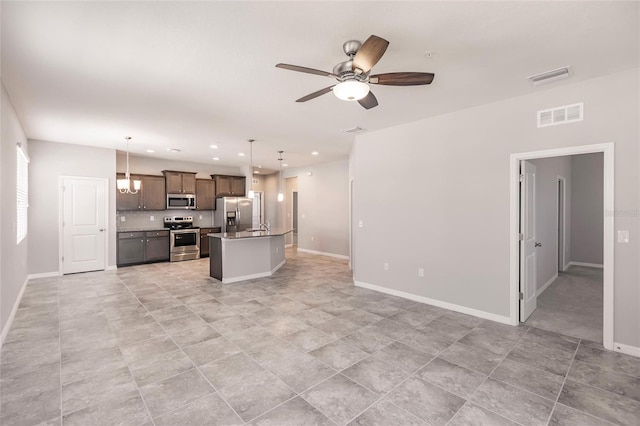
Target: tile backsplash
142,220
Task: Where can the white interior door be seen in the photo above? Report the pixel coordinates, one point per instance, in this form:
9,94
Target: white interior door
528,243
84,225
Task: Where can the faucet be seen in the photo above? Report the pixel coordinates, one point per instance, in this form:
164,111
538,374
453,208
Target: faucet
266,225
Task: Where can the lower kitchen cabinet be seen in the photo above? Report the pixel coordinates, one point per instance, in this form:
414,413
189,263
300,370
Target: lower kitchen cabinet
204,240
142,246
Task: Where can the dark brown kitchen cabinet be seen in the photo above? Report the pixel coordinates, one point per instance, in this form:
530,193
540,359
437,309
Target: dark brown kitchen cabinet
142,246
130,248
230,186
180,182
205,194
156,246
150,196
204,239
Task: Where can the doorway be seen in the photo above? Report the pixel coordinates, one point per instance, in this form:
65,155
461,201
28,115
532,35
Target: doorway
294,217
257,212
83,216
519,284
562,217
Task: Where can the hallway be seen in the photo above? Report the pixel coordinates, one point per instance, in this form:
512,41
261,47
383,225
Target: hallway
572,305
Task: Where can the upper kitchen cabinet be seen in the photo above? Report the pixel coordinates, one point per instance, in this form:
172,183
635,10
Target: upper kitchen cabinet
151,195
205,194
180,182
230,186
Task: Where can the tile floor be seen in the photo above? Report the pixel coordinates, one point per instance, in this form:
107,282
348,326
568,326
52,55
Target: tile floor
572,304
164,344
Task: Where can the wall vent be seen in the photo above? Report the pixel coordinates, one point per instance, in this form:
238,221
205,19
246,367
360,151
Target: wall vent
561,115
549,76
353,130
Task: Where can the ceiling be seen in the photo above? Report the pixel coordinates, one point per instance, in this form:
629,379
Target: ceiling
189,75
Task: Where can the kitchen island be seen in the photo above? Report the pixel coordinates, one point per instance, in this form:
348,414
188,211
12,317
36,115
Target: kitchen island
239,256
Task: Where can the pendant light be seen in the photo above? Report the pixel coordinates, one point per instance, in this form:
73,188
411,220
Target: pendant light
251,194
280,194
124,185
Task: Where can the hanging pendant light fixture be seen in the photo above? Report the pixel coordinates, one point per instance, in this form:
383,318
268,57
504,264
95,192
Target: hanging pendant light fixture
280,194
251,194
124,185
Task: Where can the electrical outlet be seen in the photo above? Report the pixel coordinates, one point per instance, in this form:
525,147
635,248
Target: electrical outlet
421,272
277,249
200,217
312,238
386,266
122,218
623,236
360,224
152,218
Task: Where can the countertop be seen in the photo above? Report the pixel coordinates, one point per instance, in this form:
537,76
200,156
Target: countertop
246,234
142,229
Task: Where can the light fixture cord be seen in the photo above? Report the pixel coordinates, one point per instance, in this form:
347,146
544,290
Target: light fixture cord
251,162
127,175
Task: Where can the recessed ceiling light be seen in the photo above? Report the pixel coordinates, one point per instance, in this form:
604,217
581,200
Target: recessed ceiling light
150,150
213,146
216,159
315,153
256,172
241,154
259,167
285,165
173,150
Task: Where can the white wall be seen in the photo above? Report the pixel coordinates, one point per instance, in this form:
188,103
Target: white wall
155,166
587,198
49,161
547,172
13,258
447,179
323,207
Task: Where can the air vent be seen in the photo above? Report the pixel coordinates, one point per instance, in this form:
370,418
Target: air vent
353,130
549,76
561,115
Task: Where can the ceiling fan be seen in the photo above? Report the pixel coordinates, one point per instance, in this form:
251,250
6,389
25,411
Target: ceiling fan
354,76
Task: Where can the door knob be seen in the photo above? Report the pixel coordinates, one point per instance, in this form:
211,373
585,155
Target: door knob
537,244
101,229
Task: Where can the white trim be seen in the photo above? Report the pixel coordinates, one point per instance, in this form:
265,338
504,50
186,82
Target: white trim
288,245
590,265
324,253
608,232
626,349
252,276
7,326
434,302
111,268
563,257
107,192
44,275
547,284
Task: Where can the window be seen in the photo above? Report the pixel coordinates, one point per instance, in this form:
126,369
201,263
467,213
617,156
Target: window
22,194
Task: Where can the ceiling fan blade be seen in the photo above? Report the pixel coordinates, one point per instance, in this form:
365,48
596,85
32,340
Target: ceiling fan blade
315,94
369,54
402,78
369,101
305,70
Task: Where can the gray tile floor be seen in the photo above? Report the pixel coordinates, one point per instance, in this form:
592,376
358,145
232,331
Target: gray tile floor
164,344
572,304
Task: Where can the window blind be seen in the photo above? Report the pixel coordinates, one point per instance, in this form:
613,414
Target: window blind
22,194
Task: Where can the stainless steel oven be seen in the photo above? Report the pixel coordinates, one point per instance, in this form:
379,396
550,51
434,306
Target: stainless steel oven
184,244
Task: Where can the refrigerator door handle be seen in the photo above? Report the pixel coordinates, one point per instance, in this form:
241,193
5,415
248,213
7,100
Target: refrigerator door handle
238,220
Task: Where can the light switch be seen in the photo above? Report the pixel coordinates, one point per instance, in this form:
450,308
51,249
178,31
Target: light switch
122,218
360,224
623,236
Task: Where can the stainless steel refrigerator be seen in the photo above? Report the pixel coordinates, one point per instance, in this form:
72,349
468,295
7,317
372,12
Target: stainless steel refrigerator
234,214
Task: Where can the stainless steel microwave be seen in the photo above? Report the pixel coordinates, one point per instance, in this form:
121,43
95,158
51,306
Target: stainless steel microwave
181,201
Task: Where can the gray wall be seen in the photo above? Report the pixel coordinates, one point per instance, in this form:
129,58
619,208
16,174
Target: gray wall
587,199
323,207
155,166
547,172
447,178
49,161
13,258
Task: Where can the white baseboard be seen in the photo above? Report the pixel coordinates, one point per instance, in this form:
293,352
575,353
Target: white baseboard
7,326
438,303
547,284
111,268
323,253
288,245
626,349
589,265
252,276
43,275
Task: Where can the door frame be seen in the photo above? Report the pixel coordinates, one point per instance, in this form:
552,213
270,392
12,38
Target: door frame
297,198
562,224
61,217
608,231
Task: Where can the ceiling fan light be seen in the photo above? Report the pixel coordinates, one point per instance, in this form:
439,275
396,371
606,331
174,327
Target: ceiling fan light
351,90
